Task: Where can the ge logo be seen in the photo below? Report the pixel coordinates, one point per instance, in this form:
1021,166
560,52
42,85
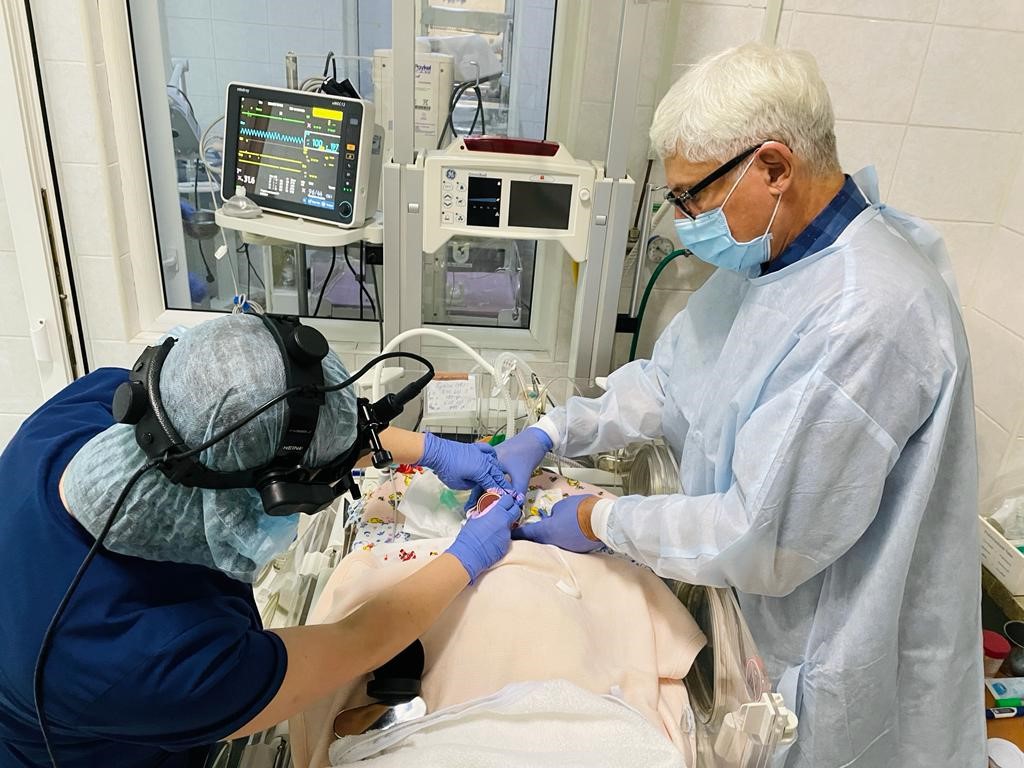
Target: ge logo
450,173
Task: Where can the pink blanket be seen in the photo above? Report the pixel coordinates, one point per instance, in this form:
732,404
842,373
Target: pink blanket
598,621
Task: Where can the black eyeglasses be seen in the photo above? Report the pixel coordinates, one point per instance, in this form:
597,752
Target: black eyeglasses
684,198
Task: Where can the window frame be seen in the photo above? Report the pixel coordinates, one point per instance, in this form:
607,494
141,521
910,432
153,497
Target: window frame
540,342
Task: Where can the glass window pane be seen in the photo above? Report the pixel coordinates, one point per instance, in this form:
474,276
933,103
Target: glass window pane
187,53
502,51
480,282
507,43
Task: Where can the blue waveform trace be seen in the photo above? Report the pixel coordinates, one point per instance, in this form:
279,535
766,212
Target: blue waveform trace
271,135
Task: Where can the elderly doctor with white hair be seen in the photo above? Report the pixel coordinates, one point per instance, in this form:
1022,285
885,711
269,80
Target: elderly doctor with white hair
817,393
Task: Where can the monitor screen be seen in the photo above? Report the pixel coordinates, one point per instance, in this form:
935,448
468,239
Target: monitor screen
539,205
289,151
483,203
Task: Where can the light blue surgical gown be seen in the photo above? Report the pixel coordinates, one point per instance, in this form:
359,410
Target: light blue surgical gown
823,419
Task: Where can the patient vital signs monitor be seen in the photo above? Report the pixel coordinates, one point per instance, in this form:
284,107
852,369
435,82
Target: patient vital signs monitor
510,188
300,153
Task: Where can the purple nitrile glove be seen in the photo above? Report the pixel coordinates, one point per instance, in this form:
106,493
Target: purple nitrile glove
561,528
462,466
484,540
519,456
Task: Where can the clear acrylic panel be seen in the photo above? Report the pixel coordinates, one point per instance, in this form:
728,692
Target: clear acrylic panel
480,282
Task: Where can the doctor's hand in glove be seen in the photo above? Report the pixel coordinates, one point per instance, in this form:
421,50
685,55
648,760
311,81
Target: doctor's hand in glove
568,526
519,456
462,466
485,539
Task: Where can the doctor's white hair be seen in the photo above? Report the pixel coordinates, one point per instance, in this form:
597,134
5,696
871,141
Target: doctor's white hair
742,97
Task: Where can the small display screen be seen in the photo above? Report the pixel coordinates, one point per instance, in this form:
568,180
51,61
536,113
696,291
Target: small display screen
539,205
483,201
289,151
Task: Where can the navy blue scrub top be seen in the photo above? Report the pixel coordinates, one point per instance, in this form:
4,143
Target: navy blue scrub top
152,662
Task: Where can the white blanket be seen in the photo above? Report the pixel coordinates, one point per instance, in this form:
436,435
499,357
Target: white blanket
550,724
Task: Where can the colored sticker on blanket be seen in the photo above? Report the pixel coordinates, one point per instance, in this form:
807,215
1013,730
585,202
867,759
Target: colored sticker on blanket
406,556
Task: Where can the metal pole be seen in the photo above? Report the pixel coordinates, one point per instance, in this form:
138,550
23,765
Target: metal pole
641,245
301,284
403,46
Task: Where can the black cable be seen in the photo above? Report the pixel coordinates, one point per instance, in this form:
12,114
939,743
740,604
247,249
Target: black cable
202,254
449,124
380,307
419,418
295,390
323,286
476,114
185,97
379,359
199,241
356,276
44,646
362,287
244,248
331,62
643,193
479,112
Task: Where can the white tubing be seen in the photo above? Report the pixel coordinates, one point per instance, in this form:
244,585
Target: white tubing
395,342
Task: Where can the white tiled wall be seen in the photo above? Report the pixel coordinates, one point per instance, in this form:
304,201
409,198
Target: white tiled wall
20,392
928,91
536,20
931,89
247,40
997,314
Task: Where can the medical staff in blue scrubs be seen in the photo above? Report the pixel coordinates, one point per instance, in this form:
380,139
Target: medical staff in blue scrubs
816,392
161,652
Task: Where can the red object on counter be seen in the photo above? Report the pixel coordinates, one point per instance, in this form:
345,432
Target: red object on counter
997,648
995,645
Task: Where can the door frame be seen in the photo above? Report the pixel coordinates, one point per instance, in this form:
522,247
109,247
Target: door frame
38,229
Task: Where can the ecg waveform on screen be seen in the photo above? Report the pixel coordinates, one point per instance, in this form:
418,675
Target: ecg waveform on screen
288,151
272,135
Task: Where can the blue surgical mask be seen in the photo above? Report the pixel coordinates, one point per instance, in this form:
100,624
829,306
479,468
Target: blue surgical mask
709,238
272,537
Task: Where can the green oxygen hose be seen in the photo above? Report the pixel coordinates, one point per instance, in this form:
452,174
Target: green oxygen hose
647,294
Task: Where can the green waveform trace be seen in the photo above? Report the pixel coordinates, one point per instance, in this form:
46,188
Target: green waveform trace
274,117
